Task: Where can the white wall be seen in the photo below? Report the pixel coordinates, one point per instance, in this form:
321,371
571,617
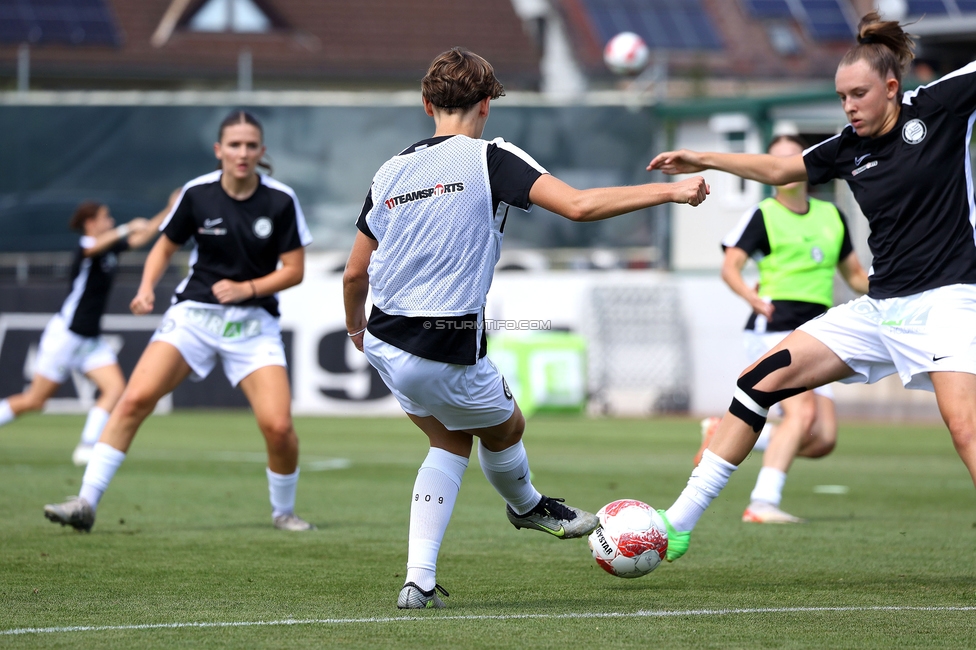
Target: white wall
713,317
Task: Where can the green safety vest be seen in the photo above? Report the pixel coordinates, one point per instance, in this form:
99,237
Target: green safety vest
805,249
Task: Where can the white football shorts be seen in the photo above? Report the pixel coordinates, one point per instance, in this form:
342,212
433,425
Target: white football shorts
244,338
62,351
460,397
758,344
913,335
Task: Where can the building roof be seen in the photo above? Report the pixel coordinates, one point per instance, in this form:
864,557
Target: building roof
312,42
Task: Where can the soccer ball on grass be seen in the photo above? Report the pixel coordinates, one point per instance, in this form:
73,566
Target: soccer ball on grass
631,540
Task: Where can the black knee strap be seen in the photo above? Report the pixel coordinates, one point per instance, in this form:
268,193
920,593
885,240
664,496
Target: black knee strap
752,405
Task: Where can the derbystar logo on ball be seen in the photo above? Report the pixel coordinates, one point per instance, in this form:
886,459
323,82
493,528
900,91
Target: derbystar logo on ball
438,190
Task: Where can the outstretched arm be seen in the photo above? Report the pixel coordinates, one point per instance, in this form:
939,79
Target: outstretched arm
604,202
854,275
762,167
110,238
141,237
735,261
355,286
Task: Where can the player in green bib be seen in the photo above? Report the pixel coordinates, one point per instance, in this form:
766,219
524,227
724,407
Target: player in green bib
797,242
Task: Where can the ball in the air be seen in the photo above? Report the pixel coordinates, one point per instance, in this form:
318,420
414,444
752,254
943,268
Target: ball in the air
626,53
631,540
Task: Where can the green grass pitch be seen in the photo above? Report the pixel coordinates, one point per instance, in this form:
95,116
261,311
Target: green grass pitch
184,537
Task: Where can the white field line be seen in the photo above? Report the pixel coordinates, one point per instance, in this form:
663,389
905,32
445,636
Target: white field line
486,617
308,463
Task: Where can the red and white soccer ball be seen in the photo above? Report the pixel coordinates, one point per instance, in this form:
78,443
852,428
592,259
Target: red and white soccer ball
631,540
626,53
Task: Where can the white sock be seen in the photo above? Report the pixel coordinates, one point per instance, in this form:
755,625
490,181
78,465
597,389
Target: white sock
769,486
105,461
706,481
282,488
764,437
434,494
508,473
97,417
6,413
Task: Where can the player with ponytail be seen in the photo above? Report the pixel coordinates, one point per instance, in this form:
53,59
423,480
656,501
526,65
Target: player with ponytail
905,156
249,234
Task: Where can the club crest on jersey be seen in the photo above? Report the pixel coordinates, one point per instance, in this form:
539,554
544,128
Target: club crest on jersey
109,262
263,227
417,195
914,131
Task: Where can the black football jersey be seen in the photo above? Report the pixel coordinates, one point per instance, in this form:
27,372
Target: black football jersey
235,240
915,186
91,281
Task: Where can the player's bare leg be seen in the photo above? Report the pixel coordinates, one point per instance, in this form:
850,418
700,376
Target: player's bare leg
160,369
799,415
110,384
269,393
822,437
954,392
34,398
799,361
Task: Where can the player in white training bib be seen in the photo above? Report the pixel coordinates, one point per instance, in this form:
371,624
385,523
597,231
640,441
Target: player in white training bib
72,340
905,156
429,236
250,235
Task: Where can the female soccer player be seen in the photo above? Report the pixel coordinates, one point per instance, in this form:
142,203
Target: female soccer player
798,241
429,237
905,156
243,224
72,339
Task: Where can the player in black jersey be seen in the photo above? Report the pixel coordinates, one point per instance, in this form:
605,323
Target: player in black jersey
250,235
905,156
429,237
72,339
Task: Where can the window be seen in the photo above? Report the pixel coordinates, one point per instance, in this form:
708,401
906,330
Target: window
230,16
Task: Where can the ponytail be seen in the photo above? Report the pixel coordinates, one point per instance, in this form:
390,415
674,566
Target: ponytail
884,45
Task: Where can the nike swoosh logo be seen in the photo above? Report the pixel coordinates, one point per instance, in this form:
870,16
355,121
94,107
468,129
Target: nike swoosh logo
210,223
558,532
935,358
859,159
521,478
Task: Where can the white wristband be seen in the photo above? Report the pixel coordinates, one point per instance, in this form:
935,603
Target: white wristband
123,230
